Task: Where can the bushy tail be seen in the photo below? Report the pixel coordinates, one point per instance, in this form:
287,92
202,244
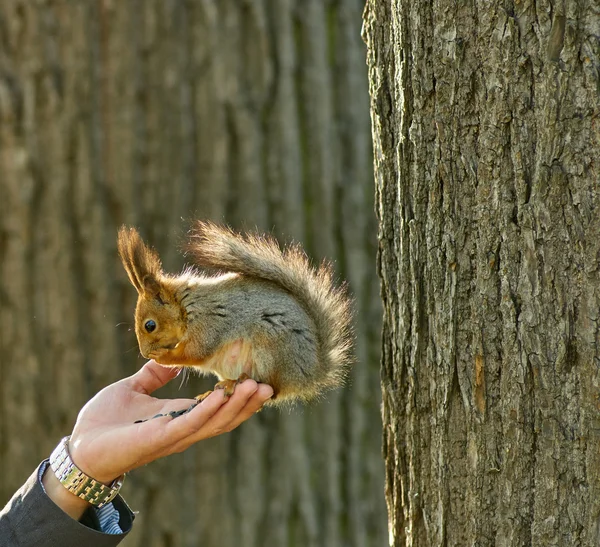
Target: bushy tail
254,255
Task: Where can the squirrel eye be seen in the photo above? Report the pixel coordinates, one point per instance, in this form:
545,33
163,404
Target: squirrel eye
150,325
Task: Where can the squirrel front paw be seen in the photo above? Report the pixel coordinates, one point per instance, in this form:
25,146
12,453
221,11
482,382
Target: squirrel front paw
168,355
160,355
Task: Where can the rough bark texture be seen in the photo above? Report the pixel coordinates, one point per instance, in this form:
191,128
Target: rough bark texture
152,113
486,135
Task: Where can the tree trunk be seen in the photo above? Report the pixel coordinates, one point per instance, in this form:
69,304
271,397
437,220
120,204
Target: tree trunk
486,136
152,113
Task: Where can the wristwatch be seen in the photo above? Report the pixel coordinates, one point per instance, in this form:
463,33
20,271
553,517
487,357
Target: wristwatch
77,482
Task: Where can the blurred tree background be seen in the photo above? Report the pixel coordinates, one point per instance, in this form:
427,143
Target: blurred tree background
153,113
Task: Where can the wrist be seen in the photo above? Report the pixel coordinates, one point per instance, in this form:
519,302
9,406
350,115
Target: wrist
77,482
80,455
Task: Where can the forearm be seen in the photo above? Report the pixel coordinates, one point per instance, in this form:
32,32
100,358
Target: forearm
71,504
32,517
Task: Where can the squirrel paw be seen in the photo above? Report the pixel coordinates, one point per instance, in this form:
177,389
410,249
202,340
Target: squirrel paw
229,385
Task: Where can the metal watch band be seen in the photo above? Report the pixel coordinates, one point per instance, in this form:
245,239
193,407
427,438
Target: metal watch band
77,482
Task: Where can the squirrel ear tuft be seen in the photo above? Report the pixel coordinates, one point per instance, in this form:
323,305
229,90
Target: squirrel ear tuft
140,261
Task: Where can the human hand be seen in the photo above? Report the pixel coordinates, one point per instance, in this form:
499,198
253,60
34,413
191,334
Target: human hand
105,442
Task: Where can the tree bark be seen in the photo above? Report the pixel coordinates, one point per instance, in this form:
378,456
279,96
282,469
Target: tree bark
485,125
152,113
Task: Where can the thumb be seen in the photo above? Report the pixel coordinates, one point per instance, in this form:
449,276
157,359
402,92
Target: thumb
152,376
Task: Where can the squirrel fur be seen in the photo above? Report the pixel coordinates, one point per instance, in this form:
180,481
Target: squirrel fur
268,315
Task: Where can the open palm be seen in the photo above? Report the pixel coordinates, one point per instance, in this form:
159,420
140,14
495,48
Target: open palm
106,442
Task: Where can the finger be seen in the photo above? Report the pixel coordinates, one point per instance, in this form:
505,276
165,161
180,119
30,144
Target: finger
195,431
229,412
152,376
157,437
254,404
173,431
231,415
209,418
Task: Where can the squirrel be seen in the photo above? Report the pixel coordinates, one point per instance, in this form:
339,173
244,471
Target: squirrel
267,314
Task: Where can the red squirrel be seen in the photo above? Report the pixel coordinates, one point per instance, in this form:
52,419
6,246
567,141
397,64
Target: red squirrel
284,321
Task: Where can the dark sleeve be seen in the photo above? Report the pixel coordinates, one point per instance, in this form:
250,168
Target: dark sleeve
32,518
